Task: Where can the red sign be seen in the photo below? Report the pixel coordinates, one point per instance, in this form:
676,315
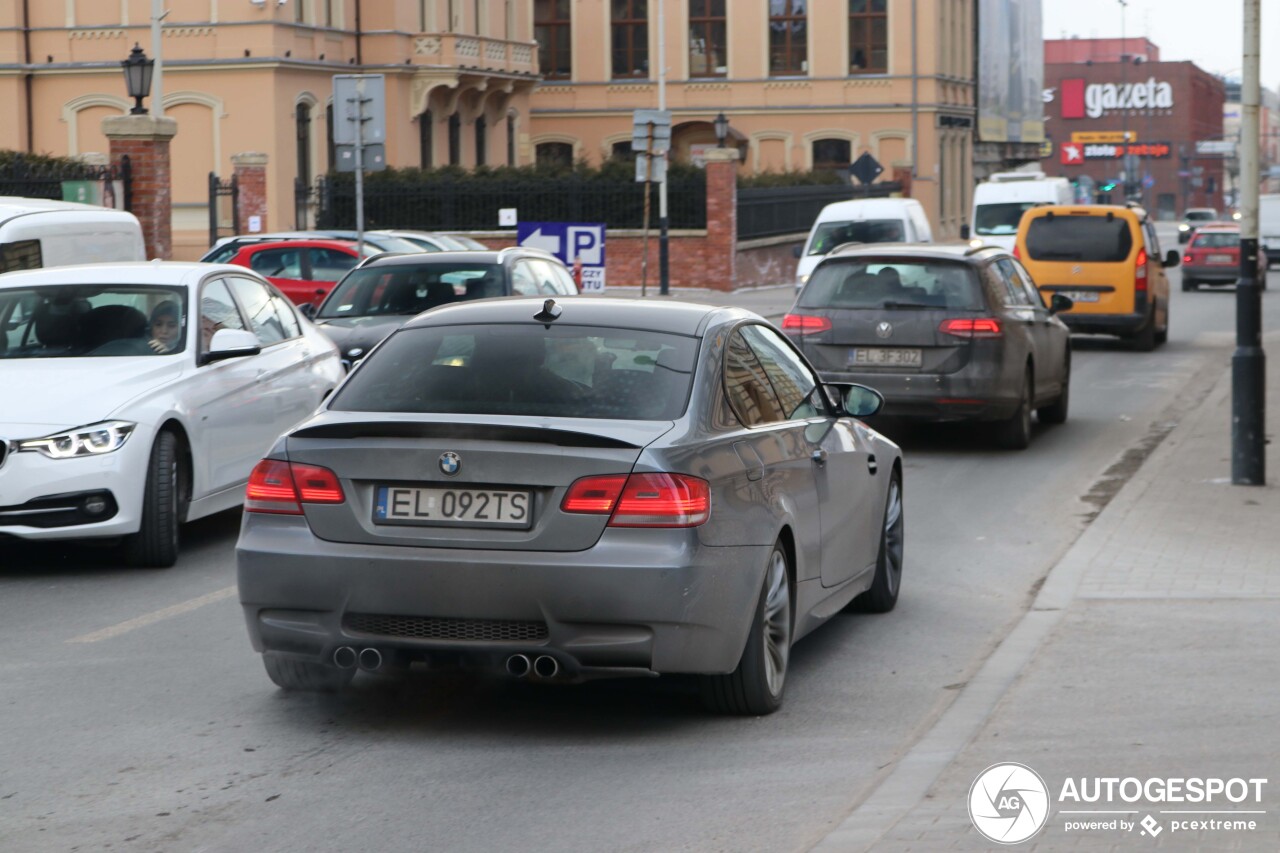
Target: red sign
1072,154
1073,98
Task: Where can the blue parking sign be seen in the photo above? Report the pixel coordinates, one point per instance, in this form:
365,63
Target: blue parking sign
583,241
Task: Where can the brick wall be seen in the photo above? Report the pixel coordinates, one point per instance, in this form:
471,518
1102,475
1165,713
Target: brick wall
145,140
251,189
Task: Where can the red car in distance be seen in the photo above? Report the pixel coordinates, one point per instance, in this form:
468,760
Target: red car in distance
1213,257
304,270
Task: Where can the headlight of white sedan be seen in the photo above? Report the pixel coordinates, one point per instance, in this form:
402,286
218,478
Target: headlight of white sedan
93,440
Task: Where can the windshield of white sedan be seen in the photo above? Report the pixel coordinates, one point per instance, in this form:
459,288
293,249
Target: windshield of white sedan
74,321
564,371
892,283
410,289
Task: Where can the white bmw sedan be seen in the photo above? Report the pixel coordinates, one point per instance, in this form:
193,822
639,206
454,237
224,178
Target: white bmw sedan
138,396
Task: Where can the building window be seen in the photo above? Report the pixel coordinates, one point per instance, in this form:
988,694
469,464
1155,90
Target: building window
302,123
426,140
630,21
482,128
299,12
455,140
328,12
622,152
331,150
788,37
833,154
509,20
559,154
868,37
707,39
511,138
551,31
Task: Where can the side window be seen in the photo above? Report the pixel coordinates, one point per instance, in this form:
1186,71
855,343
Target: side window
284,312
524,281
792,382
20,255
330,264
1028,284
1153,242
747,387
563,280
277,263
1015,295
262,314
552,279
217,311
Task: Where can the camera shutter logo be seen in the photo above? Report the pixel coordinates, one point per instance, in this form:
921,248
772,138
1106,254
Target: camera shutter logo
1008,803
450,463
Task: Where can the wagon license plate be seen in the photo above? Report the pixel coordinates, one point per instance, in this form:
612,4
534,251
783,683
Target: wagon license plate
428,505
885,357
1219,259
1081,295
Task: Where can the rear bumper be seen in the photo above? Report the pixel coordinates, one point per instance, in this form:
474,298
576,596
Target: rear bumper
968,394
1217,274
1104,324
638,602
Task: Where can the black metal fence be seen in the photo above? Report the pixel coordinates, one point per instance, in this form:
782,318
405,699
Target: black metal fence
67,180
472,205
772,211
220,189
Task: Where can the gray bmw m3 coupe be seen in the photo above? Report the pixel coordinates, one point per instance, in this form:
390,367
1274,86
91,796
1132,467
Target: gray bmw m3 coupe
561,492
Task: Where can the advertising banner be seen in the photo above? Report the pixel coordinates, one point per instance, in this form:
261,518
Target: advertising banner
1010,71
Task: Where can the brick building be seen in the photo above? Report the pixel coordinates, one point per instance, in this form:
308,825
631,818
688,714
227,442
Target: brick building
1134,125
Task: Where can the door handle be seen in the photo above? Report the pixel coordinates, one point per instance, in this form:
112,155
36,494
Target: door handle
819,456
872,466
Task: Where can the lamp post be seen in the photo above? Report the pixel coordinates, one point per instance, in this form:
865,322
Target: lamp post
137,78
722,129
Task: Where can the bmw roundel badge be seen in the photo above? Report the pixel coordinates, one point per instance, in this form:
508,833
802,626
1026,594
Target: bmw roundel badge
449,462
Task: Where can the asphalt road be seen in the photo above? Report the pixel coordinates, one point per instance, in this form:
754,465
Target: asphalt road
134,715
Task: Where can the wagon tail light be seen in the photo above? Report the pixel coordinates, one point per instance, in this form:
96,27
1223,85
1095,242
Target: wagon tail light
1140,272
283,487
971,327
805,324
641,500
1186,259
1016,253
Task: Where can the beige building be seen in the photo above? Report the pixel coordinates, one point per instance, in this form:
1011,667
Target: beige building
804,83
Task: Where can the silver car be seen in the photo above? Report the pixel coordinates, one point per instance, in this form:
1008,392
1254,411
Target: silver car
601,488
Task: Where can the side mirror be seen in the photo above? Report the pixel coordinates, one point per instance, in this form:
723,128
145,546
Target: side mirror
231,343
964,231
308,310
797,251
1059,303
859,401
1171,258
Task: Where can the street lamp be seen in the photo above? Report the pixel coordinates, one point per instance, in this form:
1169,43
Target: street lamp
137,78
722,129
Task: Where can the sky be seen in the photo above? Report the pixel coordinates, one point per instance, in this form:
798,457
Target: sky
1207,32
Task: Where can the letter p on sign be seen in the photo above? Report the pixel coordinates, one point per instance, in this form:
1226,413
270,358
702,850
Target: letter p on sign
586,242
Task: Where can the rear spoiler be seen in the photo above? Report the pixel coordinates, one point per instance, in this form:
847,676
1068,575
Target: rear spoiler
481,432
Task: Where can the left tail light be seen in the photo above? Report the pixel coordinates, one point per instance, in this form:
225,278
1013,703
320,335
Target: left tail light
283,487
642,500
1140,271
805,324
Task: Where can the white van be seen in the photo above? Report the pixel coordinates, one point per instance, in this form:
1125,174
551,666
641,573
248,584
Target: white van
36,232
864,220
998,204
1269,226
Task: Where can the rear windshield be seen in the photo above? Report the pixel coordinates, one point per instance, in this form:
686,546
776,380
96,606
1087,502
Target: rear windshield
892,283
404,289
1201,215
828,235
1216,240
564,371
1000,219
1095,239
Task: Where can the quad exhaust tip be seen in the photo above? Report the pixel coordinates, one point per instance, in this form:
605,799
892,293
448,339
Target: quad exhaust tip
518,666
546,666
344,657
370,659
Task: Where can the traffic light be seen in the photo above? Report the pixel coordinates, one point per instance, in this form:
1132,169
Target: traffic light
1108,186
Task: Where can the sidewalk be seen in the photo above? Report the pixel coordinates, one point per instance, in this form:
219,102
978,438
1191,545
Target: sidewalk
1152,651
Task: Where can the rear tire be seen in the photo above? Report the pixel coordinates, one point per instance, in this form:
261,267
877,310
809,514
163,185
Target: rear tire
883,594
756,686
1189,284
1056,412
155,545
1015,433
1145,338
304,675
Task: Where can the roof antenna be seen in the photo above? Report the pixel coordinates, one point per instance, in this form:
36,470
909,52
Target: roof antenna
550,311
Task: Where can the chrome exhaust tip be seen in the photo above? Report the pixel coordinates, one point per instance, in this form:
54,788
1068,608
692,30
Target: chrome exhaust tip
518,666
546,666
370,659
344,657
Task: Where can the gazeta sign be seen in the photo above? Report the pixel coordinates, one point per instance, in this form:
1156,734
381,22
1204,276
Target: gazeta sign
1094,100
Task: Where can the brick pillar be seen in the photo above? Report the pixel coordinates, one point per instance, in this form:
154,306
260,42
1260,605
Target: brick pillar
722,217
145,139
251,184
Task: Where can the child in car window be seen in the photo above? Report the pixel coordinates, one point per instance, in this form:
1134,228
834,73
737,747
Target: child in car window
166,327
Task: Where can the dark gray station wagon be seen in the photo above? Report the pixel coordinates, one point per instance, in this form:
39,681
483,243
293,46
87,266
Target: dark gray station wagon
944,332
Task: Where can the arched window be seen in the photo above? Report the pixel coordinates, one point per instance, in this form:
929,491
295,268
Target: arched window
554,154
426,139
455,140
482,141
302,122
832,154
330,148
511,138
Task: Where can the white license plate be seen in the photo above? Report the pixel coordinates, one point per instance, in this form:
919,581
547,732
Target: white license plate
1219,259
885,357
452,507
1081,295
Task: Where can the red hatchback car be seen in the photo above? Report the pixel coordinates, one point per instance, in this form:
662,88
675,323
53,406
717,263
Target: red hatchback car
304,270
1213,257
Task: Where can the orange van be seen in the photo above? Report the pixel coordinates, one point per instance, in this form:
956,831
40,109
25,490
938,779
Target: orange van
1107,259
